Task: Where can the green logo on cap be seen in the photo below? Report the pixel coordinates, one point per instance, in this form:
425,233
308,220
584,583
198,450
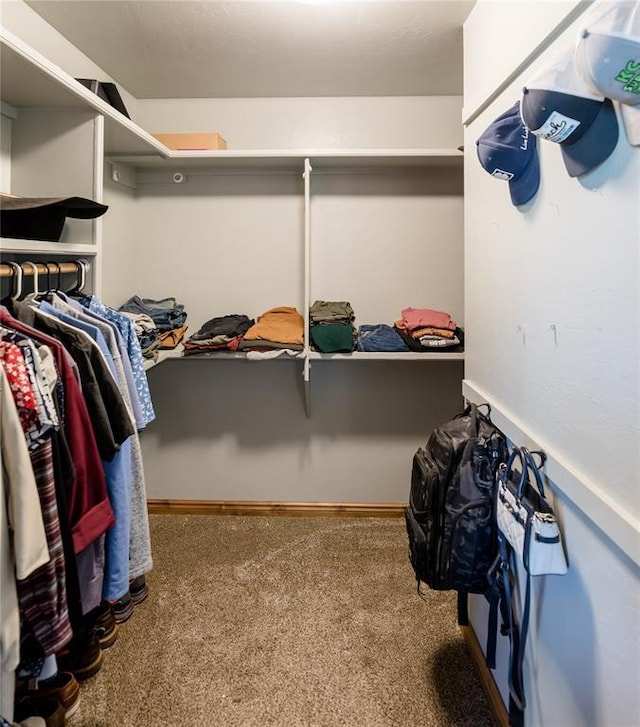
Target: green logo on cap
630,77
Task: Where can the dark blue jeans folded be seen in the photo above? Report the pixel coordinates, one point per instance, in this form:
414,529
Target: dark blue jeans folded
379,338
166,313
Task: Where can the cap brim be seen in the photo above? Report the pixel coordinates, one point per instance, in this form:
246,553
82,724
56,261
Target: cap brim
631,122
525,188
77,207
595,145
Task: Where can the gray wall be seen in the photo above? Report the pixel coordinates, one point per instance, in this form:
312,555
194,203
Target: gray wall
233,243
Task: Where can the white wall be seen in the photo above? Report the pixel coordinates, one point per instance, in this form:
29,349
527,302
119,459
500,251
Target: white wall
553,318
312,123
511,34
19,18
7,115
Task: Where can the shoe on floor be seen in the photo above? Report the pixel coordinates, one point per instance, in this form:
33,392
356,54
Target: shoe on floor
33,722
138,589
122,608
62,688
104,625
39,711
83,659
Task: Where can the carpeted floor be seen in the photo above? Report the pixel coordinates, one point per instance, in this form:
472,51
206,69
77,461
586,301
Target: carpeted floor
288,622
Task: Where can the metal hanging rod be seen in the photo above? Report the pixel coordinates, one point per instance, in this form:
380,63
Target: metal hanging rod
50,268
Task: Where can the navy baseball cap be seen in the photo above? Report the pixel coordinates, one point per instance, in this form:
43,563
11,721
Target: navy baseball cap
508,151
559,106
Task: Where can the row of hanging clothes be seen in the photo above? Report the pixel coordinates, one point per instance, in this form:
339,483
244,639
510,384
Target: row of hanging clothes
74,531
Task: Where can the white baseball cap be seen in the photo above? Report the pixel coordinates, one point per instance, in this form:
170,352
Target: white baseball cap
607,57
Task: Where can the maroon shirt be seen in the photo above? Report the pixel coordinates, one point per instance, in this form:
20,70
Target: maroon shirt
90,513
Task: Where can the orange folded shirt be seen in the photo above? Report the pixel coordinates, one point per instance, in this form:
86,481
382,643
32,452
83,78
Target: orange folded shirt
281,325
442,332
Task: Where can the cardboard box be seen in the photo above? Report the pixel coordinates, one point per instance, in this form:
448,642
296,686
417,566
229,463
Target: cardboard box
192,142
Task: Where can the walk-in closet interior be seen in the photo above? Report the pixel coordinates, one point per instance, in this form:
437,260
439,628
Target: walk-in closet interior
350,174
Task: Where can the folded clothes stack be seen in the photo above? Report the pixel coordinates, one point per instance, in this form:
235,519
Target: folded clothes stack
146,331
380,338
223,333
424,329
166,313
331,326
159,324
277,328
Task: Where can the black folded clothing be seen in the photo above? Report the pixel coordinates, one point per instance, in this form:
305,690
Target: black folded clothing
415,345
230,325
42,218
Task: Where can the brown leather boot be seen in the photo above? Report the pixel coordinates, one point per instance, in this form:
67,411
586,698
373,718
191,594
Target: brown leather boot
83,659
104,625
62,688
49,710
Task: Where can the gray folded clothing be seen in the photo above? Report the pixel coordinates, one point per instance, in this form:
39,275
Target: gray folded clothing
331,311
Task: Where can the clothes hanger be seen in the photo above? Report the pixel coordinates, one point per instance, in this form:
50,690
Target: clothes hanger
34,269
48,274
81,279
17,274
57,271
59,283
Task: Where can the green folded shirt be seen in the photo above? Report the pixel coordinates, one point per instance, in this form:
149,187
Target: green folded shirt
333,338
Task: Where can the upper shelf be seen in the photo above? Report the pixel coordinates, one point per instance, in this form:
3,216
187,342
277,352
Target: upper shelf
294,159
29,80
13,245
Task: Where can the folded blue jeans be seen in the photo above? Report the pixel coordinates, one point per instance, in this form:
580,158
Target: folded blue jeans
166,313
380,338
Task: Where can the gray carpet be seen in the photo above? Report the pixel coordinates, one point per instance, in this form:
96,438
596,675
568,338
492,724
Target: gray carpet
284,621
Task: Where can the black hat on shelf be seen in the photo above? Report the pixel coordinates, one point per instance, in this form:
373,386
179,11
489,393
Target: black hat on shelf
42,218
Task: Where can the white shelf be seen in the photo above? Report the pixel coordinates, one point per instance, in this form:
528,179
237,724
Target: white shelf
386,356
9,244
176,354
29,80
149,363
321,159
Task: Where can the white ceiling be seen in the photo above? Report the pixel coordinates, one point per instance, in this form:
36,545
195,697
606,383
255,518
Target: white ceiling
270,48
